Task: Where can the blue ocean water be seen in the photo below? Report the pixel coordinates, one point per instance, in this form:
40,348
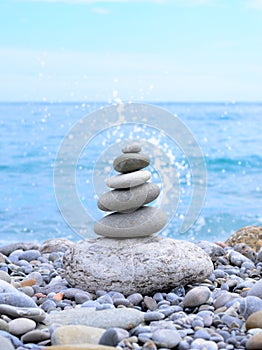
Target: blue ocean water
229,135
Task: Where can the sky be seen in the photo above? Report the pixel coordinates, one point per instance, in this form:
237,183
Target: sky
124,50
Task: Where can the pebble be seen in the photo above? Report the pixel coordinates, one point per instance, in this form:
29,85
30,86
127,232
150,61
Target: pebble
166,338
132,148
128,162
140,223
21,325
30,255
6,344
35,336
35,314
249,305
76,334
113,336
256,289
81,347
196,296
255,342
254,320
129,199
120,317
133,179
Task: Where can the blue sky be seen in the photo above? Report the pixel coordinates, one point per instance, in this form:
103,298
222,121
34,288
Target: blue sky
83,50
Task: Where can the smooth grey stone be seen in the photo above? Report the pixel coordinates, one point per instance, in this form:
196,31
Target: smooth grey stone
232,322
249,305
154,316
237,258
128,162
35,336
9,248
105,306
105,299
17,299
203,344
3,325
223,298
48,305
21,326
133,179
256,289
120,317
202,333
207,317
30,255
70,293
140,223
166,338
36,276
81,297
132,148
6,287
196,296
128,199
90,303
135,265
112,336
6,344
12,338
135,298
150,303
35,314
120,301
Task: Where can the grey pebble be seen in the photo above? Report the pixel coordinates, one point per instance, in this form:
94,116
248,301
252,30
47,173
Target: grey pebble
128,162
21,326
202,333
30,255
14,340
166,338
9,248
48,305
81,297
132,148
135,298
154,316
249,305
120,301
4,276
201,344
90,303
18,299
6,344
35,336
196,296
150,303
113,336
35,314
256,289
105,299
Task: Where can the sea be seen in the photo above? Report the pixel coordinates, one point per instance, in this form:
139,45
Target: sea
32,133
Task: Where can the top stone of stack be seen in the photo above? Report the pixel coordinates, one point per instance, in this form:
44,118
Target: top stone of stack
130,217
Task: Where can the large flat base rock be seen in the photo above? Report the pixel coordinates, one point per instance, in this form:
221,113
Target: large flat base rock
143,265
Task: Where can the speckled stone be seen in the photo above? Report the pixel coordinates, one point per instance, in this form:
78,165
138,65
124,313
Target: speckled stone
140,223
135,265
128,199
55,245
135,178
251,235
128,162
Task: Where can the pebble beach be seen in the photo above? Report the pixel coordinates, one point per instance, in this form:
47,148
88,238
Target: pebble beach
40,310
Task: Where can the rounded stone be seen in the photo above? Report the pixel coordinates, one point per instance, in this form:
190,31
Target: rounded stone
133,147
166,338
128,162
133,179
143,265
6,343
255,342
251,235
140,223
254,320
196,296
76,334
256,290
55,245
249,305
128,199
21,325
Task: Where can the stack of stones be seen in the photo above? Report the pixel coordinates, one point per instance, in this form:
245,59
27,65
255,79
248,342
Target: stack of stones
129,257
131,191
